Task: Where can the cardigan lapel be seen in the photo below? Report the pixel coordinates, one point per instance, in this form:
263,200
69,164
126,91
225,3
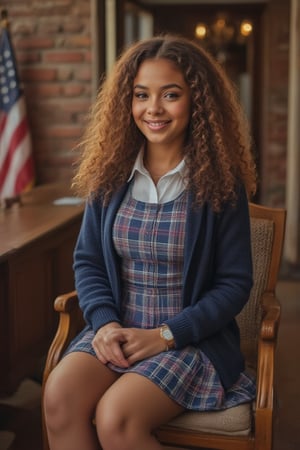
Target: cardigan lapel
193,227
110,254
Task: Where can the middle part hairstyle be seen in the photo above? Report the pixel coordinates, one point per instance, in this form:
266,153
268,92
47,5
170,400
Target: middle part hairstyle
218,146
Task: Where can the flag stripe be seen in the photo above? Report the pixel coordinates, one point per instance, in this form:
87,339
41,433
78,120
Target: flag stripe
11,121
16,163
17,136
19,157
2,125
24,179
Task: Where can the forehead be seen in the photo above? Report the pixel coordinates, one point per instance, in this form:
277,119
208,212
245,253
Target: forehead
158,70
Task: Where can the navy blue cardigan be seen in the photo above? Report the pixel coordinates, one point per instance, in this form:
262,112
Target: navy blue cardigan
217,277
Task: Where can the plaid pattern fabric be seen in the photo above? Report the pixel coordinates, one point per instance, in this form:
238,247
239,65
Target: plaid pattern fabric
150,240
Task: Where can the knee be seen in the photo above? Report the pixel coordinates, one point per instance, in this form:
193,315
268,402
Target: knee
115,429
56,402
111,431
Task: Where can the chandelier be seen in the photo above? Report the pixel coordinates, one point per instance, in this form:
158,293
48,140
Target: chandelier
224,31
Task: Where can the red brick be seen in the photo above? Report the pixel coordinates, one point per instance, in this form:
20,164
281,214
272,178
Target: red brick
28,57
44,90
34,42
73,26
78,105
61,131
83,74
47,146
39,74
78,41
45,114
49,175
63,57
72,90
46,27
82,9
22,28
88,56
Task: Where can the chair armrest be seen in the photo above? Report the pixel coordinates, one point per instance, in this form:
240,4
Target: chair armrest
66,303
70,322
266,353
271,316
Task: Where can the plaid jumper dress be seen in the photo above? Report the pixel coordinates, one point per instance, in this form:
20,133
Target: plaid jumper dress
149,238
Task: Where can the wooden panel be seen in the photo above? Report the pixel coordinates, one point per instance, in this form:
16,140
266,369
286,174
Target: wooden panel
36,256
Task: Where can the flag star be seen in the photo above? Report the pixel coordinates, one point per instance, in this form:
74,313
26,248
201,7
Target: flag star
7,54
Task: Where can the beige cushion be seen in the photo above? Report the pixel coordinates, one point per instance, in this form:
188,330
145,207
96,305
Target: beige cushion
234,421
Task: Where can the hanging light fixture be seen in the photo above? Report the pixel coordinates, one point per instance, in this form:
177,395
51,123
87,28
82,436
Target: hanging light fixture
223,31
201,30
246,28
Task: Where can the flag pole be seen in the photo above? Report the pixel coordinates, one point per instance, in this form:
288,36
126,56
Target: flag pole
4,19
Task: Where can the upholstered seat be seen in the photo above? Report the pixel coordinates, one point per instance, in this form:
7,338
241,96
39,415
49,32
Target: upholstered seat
233,422
247,426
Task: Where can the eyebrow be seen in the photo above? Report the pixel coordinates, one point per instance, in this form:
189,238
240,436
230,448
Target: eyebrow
166,86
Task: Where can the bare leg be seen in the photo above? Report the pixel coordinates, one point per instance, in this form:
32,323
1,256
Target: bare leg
72,392
130,410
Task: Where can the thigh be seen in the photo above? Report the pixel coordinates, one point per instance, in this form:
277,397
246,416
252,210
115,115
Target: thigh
135,398
79,379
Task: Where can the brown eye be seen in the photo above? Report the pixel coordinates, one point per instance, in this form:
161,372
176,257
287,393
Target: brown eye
171,95
140,95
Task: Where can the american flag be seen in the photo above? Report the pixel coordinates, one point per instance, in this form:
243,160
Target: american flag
16,162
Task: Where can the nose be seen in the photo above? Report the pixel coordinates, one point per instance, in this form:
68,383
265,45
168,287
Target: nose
154,107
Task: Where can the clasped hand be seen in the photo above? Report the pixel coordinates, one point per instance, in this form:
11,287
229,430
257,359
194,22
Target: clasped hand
125,346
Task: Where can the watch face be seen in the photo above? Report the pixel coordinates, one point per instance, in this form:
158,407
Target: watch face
167,334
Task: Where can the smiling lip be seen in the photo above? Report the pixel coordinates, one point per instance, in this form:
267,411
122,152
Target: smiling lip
157,125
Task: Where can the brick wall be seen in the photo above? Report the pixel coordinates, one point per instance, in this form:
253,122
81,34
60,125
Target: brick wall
52,41
53,44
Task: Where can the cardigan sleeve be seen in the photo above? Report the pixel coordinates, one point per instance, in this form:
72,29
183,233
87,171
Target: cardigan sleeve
219,278
92,280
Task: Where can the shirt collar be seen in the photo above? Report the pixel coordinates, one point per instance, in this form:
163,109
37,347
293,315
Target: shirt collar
139,167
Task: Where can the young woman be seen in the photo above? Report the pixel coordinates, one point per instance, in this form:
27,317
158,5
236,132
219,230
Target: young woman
163,259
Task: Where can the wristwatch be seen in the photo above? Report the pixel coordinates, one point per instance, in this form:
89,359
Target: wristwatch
167,335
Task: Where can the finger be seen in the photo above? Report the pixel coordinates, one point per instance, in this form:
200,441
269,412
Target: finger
100,356
119,357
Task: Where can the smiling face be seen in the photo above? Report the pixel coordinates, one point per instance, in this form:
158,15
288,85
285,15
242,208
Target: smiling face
161,104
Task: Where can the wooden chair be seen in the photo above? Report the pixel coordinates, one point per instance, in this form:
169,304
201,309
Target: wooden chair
245,427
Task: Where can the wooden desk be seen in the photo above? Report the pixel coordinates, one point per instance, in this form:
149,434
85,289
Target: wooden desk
36,253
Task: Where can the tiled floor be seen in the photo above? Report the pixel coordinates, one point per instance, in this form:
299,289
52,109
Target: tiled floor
20,421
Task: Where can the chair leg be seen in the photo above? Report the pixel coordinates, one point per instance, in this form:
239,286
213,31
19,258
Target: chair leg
264,438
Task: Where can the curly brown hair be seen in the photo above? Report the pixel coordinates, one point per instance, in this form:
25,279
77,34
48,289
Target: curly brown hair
218,149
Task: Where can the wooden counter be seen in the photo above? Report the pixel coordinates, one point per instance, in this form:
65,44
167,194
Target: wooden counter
37,239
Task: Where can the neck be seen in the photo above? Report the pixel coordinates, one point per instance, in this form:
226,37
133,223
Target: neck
159,165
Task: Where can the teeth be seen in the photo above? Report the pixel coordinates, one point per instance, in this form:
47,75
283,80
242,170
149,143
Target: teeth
156,124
